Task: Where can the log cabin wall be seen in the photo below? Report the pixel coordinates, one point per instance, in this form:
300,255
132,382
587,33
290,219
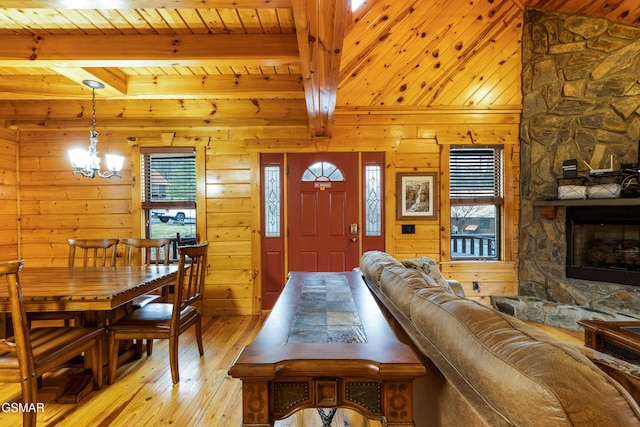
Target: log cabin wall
56,205
9,227
414,78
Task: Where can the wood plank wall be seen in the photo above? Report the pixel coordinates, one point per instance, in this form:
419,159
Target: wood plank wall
55,205
8,195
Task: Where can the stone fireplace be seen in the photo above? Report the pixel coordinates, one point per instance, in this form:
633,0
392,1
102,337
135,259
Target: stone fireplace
581,100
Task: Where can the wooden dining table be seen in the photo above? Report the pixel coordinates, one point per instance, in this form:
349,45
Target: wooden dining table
98,289
97,292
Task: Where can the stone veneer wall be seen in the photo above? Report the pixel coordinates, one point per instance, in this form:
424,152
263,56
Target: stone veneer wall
581,100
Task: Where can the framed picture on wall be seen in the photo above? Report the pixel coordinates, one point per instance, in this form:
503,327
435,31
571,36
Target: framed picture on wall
416,195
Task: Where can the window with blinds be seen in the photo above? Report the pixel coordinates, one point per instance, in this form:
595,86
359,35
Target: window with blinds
475,175
476,196
168,187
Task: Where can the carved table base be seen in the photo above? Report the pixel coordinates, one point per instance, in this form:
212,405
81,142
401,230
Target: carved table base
267,401
326,345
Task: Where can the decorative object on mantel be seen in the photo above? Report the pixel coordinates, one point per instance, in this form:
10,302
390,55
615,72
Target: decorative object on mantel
572,192
613,185
87,162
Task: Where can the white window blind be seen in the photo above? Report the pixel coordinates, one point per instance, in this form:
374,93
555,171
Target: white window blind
475,175
168,179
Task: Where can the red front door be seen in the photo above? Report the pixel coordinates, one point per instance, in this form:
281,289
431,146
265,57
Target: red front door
323,211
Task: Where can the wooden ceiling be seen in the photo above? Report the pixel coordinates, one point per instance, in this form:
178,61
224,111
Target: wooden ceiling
188,64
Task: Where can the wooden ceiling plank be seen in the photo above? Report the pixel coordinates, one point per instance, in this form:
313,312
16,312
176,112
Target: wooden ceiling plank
251,22
451,58
213,21
232,22
407,56
369,52
174,21
151,22
456,31
125,21
483,62
193,21
90,21
269,22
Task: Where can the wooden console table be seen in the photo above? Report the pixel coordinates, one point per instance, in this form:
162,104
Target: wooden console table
619,339
326,344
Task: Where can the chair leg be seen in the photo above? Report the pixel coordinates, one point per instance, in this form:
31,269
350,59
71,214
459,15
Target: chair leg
149,347
96,364
138,344
199,335
173,359
29,396
29,418
112,357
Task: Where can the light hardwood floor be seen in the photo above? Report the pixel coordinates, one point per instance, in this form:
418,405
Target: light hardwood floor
143,394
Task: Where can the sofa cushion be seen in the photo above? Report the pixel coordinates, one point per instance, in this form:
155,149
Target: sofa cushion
522,373
429,268
399,283
373,262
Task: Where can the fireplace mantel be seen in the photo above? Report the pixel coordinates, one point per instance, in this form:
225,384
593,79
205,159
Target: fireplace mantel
589,202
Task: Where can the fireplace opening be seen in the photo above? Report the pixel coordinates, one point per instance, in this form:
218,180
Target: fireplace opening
603,244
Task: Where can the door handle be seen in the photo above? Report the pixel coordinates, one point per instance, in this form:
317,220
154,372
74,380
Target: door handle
354,239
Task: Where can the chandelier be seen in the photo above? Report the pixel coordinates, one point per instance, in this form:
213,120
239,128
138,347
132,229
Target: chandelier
87,162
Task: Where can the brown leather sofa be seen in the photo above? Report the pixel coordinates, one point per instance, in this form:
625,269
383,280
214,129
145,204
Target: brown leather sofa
486,368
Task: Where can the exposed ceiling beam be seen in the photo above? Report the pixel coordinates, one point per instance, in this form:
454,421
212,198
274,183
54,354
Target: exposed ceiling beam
244,86
193,110
145,4
114,80
146,115
58,51
320,26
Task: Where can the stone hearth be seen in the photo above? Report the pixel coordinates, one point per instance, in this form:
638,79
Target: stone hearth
581,100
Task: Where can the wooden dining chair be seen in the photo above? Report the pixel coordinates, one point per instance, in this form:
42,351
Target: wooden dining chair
166,320
94,252
148,252
29,353
139,251
91,253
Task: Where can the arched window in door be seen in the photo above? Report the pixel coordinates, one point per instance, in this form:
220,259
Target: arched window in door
322,171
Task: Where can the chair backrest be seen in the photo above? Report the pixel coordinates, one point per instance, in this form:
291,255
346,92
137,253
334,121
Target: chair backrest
22,344
95,252
147,251
192,268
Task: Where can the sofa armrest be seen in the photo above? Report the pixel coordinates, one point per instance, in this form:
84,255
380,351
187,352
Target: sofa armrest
456,287
627,374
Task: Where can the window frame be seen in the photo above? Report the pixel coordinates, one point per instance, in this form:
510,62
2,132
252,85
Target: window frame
147,206
496,200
